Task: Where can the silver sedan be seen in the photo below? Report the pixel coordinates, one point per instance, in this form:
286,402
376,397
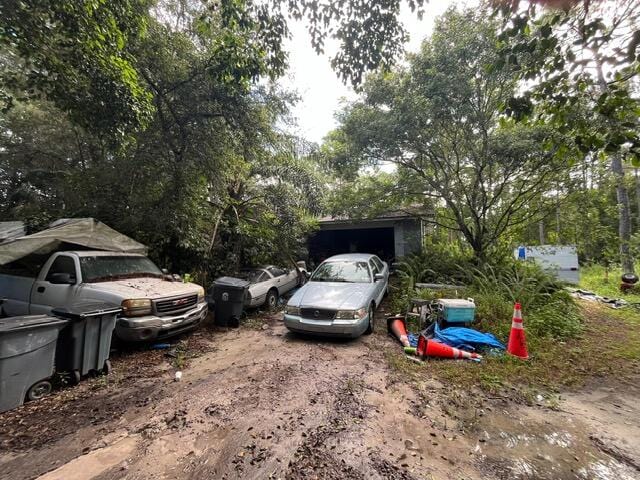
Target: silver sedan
268,283
340,298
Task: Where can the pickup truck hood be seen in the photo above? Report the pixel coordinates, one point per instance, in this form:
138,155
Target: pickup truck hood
144,288
335,296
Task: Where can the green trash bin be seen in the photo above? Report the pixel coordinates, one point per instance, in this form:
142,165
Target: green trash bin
27,353
229,295
84,344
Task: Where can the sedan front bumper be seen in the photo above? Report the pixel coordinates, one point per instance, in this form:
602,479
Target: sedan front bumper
149,328
338,328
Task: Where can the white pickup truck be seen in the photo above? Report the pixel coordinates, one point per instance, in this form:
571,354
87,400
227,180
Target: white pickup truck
153,307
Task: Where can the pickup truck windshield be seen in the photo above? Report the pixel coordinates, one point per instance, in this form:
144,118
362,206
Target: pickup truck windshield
104,269
350,272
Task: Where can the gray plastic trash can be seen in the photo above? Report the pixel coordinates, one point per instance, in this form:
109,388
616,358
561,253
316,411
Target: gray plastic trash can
84,344
27,353
229,294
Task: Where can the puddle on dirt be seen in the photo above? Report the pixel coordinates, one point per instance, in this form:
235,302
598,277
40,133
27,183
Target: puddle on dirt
534,447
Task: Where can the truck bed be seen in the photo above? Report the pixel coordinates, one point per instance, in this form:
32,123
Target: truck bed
16,291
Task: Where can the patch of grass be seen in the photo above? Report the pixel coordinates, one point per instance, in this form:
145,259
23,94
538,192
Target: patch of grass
606,283
609,347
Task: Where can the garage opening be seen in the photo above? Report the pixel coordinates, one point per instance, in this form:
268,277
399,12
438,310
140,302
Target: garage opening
378,241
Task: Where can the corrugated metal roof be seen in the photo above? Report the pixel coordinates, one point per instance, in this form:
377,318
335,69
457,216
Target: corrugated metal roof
408,213
11,230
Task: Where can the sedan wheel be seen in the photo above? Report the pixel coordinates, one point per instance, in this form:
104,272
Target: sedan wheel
371,324
272,299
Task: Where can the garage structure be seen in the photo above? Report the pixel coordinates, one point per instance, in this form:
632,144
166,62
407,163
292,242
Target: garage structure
390,236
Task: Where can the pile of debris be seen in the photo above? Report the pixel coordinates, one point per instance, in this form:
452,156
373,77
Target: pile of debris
447,332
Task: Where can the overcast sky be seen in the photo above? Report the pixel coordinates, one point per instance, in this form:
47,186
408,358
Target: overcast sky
321,90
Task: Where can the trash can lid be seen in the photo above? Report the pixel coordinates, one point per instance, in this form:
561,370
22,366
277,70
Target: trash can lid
27,322
231,282
81,310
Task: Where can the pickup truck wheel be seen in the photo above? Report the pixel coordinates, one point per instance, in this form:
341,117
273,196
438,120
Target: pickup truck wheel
39,390
371,324
272,299
107,367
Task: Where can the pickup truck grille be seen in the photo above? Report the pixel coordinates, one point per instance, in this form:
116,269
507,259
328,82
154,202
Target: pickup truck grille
317,313
175,305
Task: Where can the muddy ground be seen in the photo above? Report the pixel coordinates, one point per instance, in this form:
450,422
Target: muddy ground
263,403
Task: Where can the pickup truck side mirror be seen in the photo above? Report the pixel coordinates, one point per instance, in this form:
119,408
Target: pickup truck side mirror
378,276
62,279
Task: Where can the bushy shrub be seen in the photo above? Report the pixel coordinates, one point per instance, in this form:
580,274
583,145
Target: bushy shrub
548,308
437,263
559,318
521,282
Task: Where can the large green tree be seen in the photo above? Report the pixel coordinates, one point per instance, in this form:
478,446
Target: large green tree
438,121
78,55
167,184
81,54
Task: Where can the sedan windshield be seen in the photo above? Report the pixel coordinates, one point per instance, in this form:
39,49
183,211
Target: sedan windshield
106,268
345,271
251,275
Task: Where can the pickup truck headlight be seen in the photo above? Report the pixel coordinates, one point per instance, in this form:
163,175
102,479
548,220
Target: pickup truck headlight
292,310
351,314
136,307
200,295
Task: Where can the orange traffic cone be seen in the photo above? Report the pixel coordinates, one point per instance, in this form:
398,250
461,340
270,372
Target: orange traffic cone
431,348
517,345
397,326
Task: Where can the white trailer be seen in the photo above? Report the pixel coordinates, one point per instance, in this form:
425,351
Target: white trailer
561,260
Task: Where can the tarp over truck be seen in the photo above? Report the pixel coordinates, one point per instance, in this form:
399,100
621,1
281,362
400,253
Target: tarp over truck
82,232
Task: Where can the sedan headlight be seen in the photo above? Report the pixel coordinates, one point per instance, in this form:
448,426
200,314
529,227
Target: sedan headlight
200,295
136,307
292,310
351,314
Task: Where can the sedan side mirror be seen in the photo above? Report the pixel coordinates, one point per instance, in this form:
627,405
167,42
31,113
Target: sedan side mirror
62,279
378,276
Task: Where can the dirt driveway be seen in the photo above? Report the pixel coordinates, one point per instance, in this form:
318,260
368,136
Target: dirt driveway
262,403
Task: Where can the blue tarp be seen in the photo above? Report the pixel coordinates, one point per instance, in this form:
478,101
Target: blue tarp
460,337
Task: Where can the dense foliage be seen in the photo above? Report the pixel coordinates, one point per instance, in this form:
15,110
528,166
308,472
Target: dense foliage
163,120
503,131
209,183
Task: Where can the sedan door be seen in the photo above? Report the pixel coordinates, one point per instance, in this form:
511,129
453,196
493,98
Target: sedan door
260,288
380,285
280,279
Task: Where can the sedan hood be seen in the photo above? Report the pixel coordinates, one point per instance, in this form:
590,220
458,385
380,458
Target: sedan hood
333,295
144,288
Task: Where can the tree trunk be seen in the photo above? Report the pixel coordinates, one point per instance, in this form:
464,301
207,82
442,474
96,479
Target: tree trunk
624,209
558,218
215,231
541,231
638,195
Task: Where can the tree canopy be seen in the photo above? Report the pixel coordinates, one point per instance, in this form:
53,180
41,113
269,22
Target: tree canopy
438,121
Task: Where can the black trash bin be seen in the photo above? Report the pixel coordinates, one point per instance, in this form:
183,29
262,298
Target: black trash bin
229,295
27,353
83,346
